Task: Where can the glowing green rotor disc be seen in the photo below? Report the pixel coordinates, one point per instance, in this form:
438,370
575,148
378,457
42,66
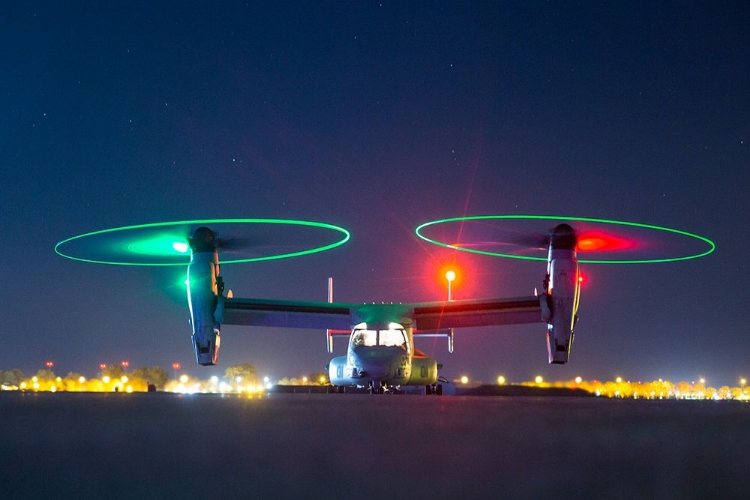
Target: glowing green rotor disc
165,243
612,257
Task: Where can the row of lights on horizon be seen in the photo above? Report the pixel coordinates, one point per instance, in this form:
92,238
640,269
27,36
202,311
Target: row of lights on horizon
464,379
539,379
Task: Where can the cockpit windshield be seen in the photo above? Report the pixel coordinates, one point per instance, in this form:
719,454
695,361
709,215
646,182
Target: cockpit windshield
394,336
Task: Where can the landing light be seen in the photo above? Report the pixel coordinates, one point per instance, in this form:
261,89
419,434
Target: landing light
180,246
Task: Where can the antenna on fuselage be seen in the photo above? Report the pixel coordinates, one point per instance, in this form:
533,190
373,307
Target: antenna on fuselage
329,337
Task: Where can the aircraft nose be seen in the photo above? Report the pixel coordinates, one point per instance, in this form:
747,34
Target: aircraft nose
374,370
374,365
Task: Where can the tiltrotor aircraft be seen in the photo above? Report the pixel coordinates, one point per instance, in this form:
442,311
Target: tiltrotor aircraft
381,354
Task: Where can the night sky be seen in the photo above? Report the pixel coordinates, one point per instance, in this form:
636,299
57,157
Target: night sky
376,116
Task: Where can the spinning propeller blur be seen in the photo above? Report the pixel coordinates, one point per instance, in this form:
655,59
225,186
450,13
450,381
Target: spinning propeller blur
166,243
600,241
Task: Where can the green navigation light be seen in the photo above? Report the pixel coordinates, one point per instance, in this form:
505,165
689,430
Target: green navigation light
180,246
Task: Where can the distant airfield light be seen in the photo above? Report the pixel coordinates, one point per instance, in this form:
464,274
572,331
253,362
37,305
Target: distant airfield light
102,366
538,379
464,379
105,379
618,380
180,246
184,379
579,380
501,380
214,379
81,380
702,380
49,364
124,379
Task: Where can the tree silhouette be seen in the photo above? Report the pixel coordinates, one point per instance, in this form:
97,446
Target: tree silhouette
247,372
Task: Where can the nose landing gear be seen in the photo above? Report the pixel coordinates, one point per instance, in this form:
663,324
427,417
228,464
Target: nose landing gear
377,387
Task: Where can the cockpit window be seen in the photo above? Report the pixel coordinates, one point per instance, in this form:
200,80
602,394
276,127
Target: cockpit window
393,337
365,337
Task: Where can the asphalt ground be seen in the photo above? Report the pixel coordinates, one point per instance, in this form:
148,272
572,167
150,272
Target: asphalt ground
358,446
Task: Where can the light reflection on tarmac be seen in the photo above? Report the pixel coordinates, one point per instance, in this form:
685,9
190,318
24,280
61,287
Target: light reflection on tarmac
362,446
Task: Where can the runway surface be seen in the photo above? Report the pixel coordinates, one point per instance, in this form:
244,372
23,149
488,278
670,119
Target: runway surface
66,445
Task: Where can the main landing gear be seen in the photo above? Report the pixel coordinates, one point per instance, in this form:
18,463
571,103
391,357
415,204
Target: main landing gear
434,389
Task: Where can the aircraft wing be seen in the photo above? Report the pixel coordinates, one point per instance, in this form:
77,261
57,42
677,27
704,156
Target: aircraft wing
287,313
483,312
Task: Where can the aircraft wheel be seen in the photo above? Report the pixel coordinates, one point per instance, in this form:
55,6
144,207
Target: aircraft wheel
439,390
428,390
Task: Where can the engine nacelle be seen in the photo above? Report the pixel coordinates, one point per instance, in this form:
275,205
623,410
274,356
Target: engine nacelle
340,373
424,370
203,298
563,289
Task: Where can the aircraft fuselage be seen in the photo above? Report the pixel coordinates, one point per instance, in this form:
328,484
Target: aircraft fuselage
382,356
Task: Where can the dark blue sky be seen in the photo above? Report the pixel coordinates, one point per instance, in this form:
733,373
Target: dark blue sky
376,116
